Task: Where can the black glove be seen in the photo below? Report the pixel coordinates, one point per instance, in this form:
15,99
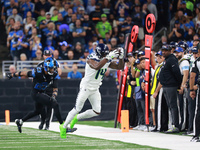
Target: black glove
9,76
53,99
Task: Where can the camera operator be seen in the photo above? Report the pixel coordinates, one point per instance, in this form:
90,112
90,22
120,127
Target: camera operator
193,90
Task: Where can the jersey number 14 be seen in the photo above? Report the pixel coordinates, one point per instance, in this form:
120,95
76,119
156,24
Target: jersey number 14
100,72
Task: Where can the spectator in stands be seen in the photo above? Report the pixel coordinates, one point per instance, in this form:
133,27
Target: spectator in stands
12,69
11,25
164,40
76,5
42,4
78,33
64,34
72,23
63,50
60,22
51,34
121,5
121,40
28,14
186,11
41,17
127,26
103,27
74,74
78,51
58,6
21,45
49,46
84,57
26,6
38,54
91,7
65,11
15,16
138,18
54,17
95,16
28,25
68,17
109,47
107,38
56,55
177,33
89,28
80,13
186,25
120,20
152,8
7,11
113,43
107,7
70,56
35,45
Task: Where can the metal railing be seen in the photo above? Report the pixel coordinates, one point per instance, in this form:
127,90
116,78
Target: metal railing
65,65
164,30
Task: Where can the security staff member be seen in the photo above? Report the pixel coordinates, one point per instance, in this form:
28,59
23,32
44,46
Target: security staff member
195,70
170,79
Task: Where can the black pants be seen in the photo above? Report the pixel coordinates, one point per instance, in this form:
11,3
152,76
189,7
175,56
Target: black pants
170,94
183,110
41,100
191,111
161,112
197,116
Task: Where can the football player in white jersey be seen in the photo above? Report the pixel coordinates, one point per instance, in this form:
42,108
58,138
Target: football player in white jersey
96,66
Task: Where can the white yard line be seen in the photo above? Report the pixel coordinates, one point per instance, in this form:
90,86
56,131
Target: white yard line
159,140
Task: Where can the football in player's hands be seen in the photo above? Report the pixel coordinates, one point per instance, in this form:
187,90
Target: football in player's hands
121,52
9,76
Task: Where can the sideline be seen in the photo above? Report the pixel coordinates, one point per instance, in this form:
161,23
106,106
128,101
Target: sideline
160,140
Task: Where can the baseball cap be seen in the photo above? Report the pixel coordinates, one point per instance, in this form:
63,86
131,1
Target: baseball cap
194,50
179,49
78,43
63,43
183,2
103,15
165,47
48,13
94,43
129,55
137,61
47,52
121,35
81,8
141,53
86,51
159,53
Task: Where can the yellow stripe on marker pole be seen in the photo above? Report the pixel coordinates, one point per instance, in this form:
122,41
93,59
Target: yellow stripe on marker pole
7,117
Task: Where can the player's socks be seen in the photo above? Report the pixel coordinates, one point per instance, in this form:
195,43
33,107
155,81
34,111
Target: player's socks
62,131
73,122
19,123
69,117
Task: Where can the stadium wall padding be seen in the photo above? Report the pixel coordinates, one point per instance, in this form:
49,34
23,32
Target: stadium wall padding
15,96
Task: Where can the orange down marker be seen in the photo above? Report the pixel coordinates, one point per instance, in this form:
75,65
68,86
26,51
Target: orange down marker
7,117
125,120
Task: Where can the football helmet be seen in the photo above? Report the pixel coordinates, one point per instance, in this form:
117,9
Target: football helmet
101,50
49,65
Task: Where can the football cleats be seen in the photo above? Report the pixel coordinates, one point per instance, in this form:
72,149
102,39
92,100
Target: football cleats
101,50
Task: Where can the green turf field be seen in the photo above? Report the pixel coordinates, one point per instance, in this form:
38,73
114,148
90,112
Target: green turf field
34,139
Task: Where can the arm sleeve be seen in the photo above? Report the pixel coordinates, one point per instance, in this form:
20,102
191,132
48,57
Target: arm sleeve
55,83
194,68
31,73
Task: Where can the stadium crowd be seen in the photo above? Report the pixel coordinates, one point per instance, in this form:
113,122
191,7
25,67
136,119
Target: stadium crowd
71,30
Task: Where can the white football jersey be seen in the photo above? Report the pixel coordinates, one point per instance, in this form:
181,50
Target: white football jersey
93,78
